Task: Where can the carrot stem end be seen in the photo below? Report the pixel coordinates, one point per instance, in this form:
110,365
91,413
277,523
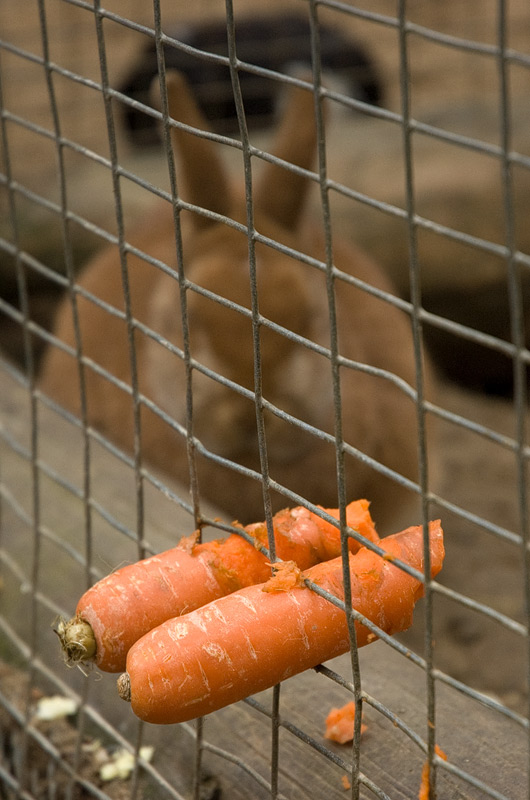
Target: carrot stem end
77,641
124,687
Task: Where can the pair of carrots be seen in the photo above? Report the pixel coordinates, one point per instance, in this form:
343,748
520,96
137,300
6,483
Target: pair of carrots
204,625
118,610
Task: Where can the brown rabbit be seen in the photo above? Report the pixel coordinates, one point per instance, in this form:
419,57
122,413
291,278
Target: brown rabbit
378,419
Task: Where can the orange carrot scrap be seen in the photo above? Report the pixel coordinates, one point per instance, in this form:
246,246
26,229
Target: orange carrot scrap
189,543
286,576
346,782
425,785
340,724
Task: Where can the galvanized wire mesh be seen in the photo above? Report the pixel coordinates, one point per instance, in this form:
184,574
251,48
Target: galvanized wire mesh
22,567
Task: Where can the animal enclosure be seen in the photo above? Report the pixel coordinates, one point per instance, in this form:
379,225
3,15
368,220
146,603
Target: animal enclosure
294,272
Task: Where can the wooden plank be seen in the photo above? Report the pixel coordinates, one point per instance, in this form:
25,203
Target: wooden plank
476,740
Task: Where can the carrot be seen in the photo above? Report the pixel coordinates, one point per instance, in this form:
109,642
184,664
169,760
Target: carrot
254,638
340,724
128,603
425,786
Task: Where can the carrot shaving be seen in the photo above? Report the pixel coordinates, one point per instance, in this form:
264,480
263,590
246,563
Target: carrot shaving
425,785
340,724
188,543
286,576
345,782
258,531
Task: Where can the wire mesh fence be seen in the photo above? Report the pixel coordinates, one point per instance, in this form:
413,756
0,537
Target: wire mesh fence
422,159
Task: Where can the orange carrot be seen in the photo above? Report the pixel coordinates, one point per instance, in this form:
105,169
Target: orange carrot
340,724
425,786
128,603
251,639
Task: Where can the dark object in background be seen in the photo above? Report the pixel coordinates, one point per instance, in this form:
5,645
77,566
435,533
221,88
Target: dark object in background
468,363
280,43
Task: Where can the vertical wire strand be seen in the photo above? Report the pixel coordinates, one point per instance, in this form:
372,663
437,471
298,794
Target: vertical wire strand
72,296
118,207
70,274
415,290
517,323
336,389
247,171
197,765
30,371
258,395
30,375
179,252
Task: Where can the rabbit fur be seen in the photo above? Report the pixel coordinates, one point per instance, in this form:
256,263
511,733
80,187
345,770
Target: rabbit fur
378,419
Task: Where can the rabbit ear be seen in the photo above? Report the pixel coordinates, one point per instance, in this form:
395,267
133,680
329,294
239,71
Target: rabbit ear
204,180
281,193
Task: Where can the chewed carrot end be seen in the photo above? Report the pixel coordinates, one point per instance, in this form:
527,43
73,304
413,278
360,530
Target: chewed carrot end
286,576
358,518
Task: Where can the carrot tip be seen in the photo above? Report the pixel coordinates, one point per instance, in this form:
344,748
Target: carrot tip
77,640
124,687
